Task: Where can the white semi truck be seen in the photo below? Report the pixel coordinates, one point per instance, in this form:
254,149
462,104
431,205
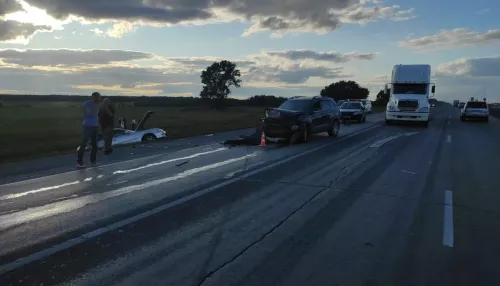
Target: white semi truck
410,91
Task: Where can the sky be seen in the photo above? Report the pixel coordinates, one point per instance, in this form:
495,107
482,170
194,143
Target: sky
282,47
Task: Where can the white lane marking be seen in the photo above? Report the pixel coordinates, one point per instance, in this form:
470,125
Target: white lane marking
168,161
449,139
448,219
66,206
18,195
410,133
78,240
408,172
50,188
385,140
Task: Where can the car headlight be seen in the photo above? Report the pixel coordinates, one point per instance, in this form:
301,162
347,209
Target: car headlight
424,109
391,108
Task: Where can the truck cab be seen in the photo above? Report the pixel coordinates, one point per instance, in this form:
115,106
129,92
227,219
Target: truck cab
410,92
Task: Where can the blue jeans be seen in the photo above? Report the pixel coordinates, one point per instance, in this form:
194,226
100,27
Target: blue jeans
89,133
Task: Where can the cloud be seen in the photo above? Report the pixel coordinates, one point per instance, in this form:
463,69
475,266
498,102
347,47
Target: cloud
97,31
318,16
120,29
483,11
332,56
136,73
12,30
447,39
465,67
9,6
466,77
362,14
68,58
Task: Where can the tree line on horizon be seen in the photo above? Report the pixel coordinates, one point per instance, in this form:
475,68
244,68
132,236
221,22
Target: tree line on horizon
218,79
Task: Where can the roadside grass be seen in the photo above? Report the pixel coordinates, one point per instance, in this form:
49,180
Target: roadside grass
33,130
30,130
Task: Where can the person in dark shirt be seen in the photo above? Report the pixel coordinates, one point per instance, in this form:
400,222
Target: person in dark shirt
106,120
90,129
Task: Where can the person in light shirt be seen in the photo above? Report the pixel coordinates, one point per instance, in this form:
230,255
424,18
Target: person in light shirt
90,129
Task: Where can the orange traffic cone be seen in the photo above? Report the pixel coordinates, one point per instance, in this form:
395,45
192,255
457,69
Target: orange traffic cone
262,140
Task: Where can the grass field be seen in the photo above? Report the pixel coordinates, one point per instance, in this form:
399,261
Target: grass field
40,129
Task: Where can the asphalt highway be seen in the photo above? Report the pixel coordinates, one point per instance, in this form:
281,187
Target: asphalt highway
379,205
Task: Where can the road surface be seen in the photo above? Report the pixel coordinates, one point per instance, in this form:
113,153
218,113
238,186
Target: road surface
380,205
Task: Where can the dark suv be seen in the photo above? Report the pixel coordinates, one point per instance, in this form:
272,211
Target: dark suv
299,117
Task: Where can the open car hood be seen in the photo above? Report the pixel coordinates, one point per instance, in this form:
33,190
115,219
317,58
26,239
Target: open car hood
145,118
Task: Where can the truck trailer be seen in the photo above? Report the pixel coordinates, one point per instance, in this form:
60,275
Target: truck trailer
410,91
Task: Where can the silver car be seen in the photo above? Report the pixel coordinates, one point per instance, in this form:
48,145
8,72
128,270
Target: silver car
353,110
475,110
123,136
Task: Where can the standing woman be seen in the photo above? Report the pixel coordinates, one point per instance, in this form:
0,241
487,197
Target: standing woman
106,120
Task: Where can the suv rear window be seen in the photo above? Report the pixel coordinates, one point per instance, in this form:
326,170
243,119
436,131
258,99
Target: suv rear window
351,105
476,104
296,105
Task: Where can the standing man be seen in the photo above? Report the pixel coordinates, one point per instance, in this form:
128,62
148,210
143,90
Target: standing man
106,120
134,123
90,129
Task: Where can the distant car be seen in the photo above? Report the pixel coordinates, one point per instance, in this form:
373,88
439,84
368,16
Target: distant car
475,110
126,136
461,105
300,117
353,110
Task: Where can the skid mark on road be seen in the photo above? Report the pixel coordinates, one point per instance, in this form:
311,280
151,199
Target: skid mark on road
385,140
381,142
448,239
168,161
53,209
86,180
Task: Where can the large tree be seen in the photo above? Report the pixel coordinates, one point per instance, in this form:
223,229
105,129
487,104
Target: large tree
382,97
217,80
344,90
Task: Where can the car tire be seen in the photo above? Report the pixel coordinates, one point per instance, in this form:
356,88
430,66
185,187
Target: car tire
462,118
333,131
426,124
388,122
148,137
486,120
